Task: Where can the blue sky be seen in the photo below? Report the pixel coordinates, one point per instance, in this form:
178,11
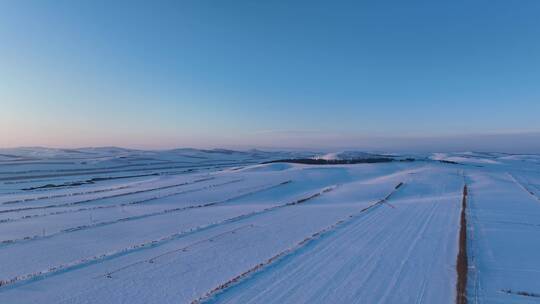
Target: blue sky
159,74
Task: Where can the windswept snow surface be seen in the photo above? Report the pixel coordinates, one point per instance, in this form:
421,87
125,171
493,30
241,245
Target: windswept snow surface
112,225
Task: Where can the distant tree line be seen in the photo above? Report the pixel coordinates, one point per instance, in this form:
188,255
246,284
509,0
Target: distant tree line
318,161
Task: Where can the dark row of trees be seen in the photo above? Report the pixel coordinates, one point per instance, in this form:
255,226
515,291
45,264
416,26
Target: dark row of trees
314,161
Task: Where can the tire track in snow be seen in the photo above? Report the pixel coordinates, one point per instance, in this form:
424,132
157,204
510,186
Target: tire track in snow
419,232
421,294
21,279
137,202
377,241
106,197
348,271
289,251
6,243
380,241
397,277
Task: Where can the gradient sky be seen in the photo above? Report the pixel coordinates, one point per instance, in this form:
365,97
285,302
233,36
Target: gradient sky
159,74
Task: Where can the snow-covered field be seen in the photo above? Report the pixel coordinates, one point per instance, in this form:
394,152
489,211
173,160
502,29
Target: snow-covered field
110,225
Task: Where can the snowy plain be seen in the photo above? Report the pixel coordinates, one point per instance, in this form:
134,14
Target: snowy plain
111,225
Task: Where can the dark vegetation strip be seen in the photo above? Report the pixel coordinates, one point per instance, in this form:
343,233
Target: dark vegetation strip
38,198
9,155
22,162
449,162
137,202
462,258
313,161
21,279
22,177
73,162
72,183
136,217
210,295
86,182
156,163
522,293
104,197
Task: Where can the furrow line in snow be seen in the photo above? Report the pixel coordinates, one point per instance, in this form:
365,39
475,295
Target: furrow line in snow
194,166
55,178
181,249
106,197
32,199
289,251
146,200
80,169
6,243
21,279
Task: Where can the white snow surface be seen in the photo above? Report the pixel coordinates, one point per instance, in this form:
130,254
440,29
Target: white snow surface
112,225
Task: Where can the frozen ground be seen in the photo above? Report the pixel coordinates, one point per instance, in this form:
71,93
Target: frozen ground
110,225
